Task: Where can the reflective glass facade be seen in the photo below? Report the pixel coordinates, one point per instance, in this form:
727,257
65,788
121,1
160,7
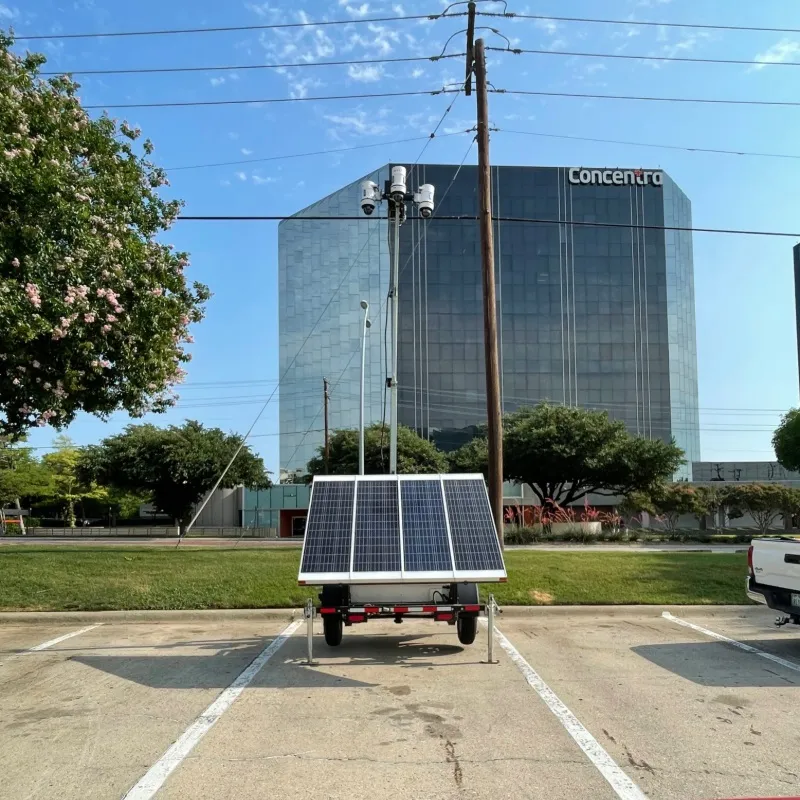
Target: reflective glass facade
598,316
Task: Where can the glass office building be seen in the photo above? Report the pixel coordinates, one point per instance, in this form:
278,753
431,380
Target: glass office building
599,314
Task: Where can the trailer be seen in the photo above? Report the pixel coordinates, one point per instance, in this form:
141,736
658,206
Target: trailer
398,547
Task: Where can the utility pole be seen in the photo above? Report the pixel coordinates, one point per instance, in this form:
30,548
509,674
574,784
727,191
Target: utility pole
398,210
326,397
494,412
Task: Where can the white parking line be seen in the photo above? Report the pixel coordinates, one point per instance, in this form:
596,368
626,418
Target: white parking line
619,781
51,642
741,645
155,777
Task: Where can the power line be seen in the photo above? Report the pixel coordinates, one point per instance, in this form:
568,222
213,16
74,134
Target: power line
705,100
686,59
312,153
266,100
274,26
469,218
244,67
642,23
649,144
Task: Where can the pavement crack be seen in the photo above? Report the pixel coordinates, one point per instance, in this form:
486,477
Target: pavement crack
452,758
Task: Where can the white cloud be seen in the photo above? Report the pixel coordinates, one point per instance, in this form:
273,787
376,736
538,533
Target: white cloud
595,67
258,180
778,53
246,152
233,135
242,176
366,73
358,11
217,81
399,10
356,122
225,183
549,25
8,13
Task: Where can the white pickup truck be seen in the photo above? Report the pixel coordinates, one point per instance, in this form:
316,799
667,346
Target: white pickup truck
774,576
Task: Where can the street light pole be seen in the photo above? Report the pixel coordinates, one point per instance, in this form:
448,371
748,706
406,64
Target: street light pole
367,324
395,308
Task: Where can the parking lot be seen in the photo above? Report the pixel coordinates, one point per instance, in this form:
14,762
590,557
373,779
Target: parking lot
599,703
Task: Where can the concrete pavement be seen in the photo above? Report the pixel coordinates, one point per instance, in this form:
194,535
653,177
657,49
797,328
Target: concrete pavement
400,711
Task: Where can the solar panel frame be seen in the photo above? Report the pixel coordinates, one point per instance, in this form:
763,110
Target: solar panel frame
483,574
324,577
403,576
369,576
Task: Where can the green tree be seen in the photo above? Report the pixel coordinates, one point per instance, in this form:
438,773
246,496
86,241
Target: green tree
95,309
786,440
21,476
564,454
67,487
763,501
708,502
673,500
415,455
174,467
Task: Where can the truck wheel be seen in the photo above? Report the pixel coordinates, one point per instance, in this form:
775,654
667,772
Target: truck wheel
467,628
332,625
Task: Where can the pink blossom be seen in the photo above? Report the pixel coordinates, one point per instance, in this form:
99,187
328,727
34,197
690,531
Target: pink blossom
69,299
25,409
35,364
184,319
88,317
59,392
65,322
57,334
41,422
21,369
47,385
32,290
157,292
68,259
15,381
95,363
15,262
106,328
183,262
82,197
118,309
110,318
190,339
101,292
11,153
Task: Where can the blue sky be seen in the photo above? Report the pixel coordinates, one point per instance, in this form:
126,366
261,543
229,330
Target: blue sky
744,285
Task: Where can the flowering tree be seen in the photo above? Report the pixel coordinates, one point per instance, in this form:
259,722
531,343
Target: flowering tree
95,311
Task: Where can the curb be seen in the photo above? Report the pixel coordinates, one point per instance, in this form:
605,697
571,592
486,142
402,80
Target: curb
514,612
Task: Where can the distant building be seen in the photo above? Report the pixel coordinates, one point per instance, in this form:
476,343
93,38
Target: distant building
599,315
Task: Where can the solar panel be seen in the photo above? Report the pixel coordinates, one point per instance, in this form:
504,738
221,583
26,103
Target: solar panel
377,533
329,528
425,544
475,545
393,529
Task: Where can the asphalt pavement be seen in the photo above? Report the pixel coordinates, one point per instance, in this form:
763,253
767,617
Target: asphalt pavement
583,703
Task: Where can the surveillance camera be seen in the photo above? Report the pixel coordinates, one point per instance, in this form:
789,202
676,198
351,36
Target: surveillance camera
369,197
424,199
398,187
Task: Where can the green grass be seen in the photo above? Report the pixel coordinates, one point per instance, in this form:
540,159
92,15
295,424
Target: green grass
105,578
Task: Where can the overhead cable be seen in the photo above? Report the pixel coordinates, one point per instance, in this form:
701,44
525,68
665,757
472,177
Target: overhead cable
266,100
648,144
244,67
639,23
274,26
628,57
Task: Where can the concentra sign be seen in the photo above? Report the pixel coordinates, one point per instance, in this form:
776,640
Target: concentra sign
615,177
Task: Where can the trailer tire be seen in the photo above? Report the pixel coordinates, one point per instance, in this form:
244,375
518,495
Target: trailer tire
332,626
467,628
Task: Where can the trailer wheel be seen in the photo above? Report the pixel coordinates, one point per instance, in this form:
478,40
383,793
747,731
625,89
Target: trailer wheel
467,628
332,625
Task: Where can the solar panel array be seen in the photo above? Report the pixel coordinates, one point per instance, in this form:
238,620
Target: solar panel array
400,528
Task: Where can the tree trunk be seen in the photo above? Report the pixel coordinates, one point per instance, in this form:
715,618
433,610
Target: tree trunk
22,530
71,513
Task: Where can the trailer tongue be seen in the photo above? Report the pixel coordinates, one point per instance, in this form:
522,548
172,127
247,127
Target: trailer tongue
392,547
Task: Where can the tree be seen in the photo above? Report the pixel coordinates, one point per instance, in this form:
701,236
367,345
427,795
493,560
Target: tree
67,486
174,467
21,476
786,440
415,455
95,309
763,501
671,501
708,502
564,454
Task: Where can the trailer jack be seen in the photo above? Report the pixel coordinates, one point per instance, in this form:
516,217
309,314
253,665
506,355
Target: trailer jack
787,620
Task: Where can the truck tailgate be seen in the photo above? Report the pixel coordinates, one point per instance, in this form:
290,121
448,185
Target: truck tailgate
776,562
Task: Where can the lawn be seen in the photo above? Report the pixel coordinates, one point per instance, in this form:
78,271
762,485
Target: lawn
104,578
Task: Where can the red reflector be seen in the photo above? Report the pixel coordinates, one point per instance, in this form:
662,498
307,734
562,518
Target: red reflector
357,617
503,580
327,611
428,609
443,615
372,609
472,608
401,609
750,559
